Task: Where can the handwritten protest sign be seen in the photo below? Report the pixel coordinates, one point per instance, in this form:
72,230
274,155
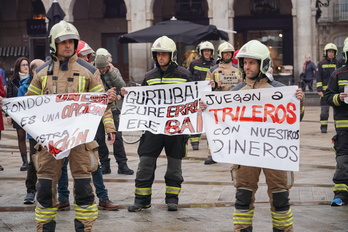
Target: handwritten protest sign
58,122
257,127
170,109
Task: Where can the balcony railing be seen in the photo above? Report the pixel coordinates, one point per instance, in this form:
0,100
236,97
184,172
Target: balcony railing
340,12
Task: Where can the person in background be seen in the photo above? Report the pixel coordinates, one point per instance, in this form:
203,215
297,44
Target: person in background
223,68
336,96
199,69
308,70
167,71
342,62
66,73
3,75
2,94
111,77
20,75
84,51
324,70
31,179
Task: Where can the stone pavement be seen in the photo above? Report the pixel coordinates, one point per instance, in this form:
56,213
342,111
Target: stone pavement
207,197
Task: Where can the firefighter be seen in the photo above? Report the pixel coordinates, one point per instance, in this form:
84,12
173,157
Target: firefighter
199,69
324,69
342,62
166,71
84,51
254,62
111,77
224,75
335,96
65,73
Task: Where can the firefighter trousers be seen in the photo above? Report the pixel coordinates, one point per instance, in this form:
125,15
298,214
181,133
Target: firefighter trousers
83,160
150,148
279,182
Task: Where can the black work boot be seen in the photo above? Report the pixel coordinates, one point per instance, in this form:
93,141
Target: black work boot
323,129
209,160
24,166
106,170
277,230
172,207
136,207
124,169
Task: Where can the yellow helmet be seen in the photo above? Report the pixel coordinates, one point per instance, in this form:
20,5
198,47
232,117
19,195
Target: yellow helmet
206,45
254,49
225,47
330,46
164,44
62,31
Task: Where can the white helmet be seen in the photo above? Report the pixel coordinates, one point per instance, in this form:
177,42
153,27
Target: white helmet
225,47
345,52
62,31
330,46
345,41
102,51
206,45
254,49
164,44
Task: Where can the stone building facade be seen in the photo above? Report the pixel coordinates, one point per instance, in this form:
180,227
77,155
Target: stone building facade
290,28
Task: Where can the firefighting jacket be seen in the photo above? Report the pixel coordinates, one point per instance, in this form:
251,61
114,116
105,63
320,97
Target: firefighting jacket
324,69
264,82
199,68
72,76
223,70
174,74
338,80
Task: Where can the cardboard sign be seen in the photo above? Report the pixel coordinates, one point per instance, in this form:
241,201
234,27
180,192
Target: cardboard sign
257,127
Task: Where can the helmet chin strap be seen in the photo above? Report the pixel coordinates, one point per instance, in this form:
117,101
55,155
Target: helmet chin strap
258,76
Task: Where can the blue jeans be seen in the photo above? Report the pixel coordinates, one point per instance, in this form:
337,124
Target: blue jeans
98,181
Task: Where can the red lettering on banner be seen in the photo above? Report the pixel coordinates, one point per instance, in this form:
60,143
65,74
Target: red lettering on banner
84,108
175,111
258,113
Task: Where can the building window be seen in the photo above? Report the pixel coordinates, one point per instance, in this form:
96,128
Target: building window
190,8
114,9
261,7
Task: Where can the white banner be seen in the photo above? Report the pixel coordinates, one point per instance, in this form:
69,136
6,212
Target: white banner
256,127
169,109
58,122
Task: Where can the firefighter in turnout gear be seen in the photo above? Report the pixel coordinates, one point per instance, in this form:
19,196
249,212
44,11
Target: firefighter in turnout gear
336,96
66,73
166,71
223,75
324,69
199,69
254,62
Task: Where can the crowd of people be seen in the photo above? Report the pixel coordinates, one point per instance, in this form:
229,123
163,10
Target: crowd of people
71,64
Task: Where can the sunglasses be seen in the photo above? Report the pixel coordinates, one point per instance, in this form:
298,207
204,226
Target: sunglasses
23,65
